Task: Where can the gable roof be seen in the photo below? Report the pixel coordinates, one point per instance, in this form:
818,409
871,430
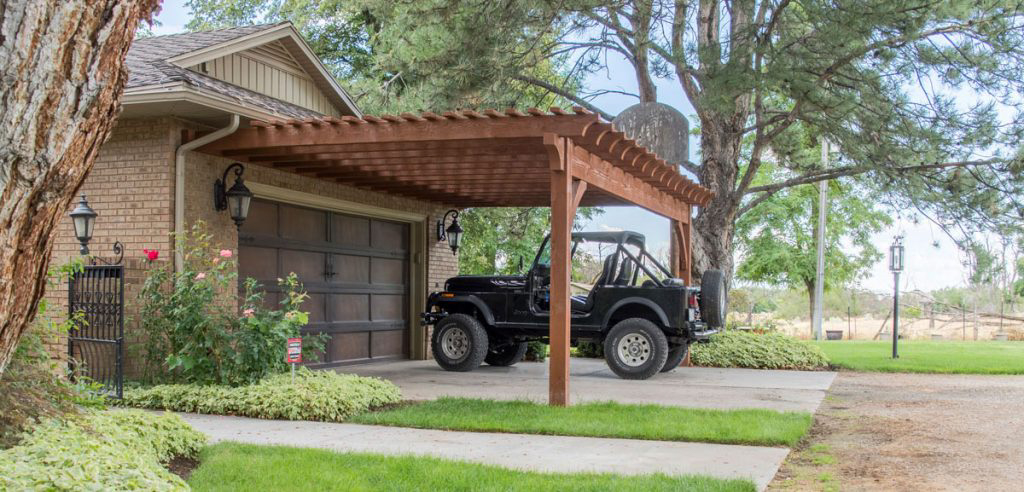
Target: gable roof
161,60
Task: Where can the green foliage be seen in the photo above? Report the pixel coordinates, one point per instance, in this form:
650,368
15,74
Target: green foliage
31,388
233,467
113,450
777,241
536,351
600,419
591,350
756,351
193,332
496,238
388,52
315,395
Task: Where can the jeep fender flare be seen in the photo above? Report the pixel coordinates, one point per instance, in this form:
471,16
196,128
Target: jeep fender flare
475,301
662,318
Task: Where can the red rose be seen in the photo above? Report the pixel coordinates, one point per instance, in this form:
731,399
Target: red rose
151,254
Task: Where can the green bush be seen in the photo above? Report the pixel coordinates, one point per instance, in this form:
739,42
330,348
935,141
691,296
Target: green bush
31,387
590,350
112,450
536,351
768,351
194,335
316,395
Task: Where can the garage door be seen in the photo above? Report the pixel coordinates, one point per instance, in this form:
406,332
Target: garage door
354,268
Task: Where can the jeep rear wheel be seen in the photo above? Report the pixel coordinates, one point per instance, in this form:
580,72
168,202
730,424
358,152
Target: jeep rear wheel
676,354
635,348
459,343
506,355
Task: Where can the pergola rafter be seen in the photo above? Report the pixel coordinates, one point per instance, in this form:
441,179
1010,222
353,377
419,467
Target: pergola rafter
487,158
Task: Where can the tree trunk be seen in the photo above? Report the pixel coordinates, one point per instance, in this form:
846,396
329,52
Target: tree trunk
713,226
61,79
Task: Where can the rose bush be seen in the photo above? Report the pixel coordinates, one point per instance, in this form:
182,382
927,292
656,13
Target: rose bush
194,330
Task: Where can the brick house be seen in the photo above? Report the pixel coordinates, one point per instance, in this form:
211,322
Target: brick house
366,258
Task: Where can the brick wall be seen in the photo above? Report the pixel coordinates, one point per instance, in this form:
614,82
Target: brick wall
131,187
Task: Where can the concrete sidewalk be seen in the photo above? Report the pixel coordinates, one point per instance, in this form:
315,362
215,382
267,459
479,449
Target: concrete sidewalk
524,452
591,380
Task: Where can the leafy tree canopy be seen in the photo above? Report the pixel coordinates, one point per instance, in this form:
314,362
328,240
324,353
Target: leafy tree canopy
777,242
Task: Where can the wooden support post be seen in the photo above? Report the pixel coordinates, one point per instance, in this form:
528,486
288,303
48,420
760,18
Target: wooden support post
680,249
564,195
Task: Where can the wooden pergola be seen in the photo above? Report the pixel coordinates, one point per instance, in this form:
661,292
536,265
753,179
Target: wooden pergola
488,159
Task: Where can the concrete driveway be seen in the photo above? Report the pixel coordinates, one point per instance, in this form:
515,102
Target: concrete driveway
591,380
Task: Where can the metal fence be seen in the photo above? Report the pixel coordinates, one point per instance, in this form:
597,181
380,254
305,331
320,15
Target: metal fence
96,342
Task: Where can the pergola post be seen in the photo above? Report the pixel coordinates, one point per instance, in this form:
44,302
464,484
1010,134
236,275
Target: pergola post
679,249
562,213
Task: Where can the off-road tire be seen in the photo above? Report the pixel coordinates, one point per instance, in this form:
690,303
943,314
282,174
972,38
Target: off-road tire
676,354
635,348
713,299
465,351
506,355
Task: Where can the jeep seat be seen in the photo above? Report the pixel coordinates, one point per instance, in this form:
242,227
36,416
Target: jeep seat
581,303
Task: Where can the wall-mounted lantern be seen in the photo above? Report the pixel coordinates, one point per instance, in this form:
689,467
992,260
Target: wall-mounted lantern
235,200
84,218
453,233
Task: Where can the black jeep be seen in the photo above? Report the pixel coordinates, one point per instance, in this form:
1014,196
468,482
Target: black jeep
644,318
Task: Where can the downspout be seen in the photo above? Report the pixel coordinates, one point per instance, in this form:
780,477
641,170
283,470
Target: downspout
179,181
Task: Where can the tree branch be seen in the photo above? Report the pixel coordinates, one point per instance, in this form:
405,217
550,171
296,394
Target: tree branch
563,93
839,172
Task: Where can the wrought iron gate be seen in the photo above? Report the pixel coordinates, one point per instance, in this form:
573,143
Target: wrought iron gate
96,343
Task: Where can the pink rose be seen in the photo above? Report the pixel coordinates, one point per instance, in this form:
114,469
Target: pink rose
225,253
248,313
200,276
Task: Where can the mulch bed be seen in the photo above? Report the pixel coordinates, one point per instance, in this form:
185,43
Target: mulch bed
182,466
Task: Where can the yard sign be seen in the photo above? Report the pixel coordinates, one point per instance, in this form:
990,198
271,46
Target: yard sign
294,351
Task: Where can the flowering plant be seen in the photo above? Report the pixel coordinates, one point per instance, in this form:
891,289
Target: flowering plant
195,333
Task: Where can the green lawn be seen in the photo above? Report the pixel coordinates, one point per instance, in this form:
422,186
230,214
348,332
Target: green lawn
949,357
242,467
654,422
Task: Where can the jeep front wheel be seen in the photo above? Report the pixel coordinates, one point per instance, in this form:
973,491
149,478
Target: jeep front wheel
635,348
459,343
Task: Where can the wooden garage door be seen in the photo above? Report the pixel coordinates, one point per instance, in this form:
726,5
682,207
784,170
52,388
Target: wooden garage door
354,268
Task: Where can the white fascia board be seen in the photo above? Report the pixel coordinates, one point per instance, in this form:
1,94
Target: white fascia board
182,92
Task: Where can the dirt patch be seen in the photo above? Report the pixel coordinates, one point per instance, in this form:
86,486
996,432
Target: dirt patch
912,432
182,466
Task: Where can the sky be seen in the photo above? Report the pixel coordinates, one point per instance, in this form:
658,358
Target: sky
932,260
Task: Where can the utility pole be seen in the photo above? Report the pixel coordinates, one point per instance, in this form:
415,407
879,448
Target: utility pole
819,278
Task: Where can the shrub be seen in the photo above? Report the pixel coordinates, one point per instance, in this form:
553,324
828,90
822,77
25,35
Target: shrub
590,350
316,395
536,351
31,388
193,332
112,450
758,351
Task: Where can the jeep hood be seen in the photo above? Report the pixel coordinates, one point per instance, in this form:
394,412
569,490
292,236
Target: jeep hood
484,283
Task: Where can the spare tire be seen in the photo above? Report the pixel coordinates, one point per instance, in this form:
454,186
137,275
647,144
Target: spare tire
712,298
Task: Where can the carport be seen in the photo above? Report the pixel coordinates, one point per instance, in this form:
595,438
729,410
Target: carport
491,158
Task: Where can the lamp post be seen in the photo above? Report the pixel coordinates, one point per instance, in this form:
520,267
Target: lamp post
83,217
453,233
896,266
235,200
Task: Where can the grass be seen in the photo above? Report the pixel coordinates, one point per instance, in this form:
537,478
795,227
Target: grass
242,467
652,422
925,356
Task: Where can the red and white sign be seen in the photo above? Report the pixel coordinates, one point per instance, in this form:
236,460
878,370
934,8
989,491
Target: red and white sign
294,355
